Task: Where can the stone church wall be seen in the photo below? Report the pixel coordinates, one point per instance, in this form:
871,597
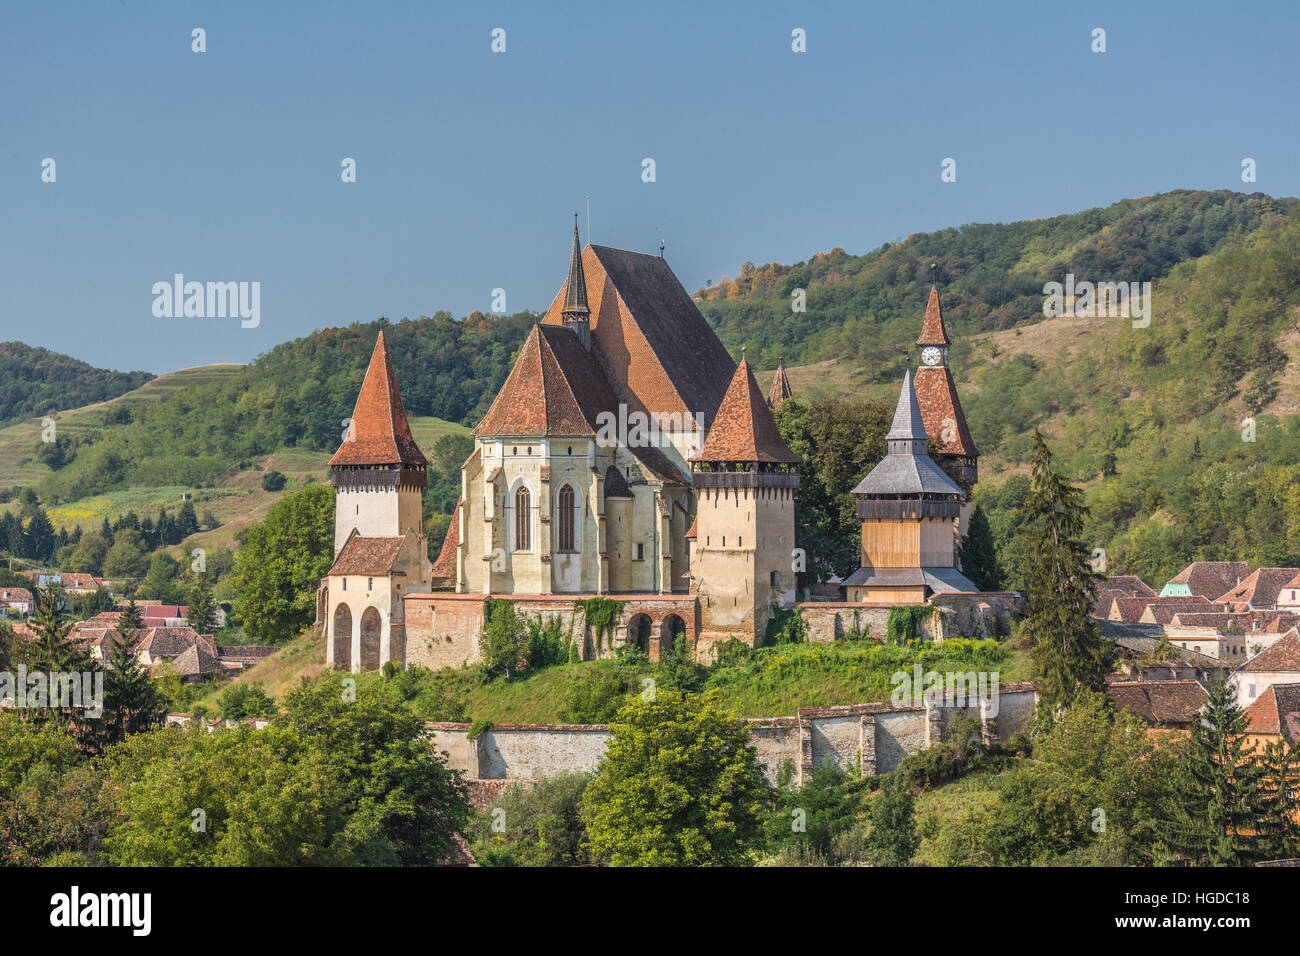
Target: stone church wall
864,739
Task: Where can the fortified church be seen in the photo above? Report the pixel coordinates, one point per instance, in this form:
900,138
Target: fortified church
627,457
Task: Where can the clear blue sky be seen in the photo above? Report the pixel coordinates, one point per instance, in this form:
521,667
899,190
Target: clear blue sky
225,165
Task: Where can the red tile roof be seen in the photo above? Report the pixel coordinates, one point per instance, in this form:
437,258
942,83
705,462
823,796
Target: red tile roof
1276,712
1159,701
1260,590
172,641
1130,584
1209,579
555,388
1282,658
932,330
380,433
744,429
367,555
780,389
941,413
445,566
661,354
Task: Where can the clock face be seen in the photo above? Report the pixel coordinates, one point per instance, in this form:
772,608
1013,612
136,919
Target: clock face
931,355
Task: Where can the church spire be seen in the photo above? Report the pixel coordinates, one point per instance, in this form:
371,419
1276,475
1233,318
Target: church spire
780,389
575,290
379,434
907,432
932,330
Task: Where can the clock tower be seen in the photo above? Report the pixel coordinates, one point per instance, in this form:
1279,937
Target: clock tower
936,392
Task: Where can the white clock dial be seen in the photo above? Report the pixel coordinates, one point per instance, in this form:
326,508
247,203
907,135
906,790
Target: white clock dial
931,355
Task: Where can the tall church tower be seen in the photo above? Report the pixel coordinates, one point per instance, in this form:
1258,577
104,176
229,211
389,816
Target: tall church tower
907,505
744,478
936,392
380,553
378,473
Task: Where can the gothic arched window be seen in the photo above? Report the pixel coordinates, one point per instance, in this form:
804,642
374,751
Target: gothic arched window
566,518
523,519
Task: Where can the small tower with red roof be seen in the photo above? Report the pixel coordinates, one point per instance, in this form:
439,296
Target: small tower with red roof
742,541
378,474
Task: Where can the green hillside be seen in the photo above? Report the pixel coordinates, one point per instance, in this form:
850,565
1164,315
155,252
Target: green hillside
296,396
1151,420
36,381
864,309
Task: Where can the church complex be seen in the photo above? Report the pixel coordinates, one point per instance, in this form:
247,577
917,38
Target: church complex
628,458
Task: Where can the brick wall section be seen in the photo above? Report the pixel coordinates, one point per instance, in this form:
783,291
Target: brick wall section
862,738
442,628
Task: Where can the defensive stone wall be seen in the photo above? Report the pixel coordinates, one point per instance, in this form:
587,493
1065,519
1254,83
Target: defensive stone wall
864,739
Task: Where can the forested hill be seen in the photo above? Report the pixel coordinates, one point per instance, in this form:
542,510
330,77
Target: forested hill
35,381
296,395
866,309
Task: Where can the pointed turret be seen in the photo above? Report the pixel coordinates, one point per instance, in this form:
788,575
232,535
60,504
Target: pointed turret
908,469
907,431
575,289
744,430
937,392
379,435
744,478
780,389
932,330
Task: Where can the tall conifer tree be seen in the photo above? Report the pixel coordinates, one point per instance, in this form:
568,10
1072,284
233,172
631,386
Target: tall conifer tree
1217,799
1067,650
979,558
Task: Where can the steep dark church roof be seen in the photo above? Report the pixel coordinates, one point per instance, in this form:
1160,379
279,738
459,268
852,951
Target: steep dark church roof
615,484
575,288
659,352
380,433
744,429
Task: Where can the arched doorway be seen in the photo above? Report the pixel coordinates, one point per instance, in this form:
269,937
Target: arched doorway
638,632
371,628
673,629
343,638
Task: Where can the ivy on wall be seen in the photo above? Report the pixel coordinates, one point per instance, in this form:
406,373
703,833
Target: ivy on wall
905,623
601,614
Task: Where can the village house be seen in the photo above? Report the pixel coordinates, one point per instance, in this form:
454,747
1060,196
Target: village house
1274,716
1206,579
15,602
1261,590
1279,664
1165,704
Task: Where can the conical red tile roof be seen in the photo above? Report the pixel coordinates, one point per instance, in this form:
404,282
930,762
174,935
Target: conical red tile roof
932,330
780,389
744,429
380,433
